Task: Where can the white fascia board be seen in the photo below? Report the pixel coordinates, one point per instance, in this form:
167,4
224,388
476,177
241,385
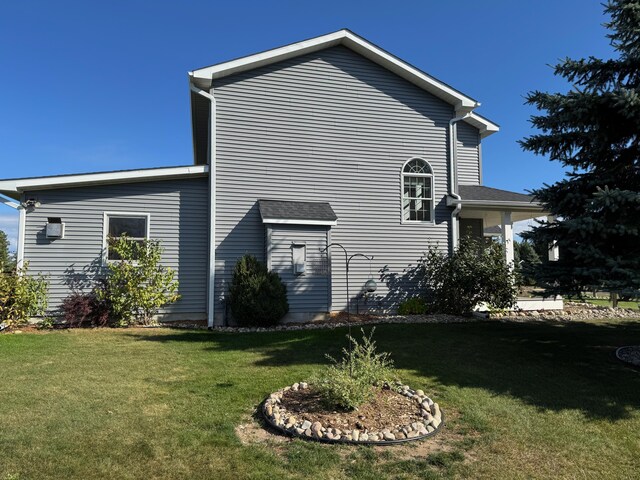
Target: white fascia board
496,205
463,104
486,127
86,179
290,221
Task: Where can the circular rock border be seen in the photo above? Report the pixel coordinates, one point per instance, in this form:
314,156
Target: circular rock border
621,355
286,423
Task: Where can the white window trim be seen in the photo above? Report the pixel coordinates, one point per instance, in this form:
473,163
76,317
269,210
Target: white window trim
105,230
433,192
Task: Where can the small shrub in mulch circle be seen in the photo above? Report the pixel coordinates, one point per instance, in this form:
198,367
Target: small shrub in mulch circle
357,399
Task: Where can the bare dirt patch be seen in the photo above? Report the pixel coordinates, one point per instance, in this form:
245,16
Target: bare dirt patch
254,430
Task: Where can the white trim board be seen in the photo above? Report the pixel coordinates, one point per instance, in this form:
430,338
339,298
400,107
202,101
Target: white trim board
293,221
12,187
463,104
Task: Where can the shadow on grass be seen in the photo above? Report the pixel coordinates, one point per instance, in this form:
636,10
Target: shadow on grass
553,366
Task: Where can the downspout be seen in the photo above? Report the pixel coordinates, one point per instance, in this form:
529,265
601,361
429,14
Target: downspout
453,178
22,221
211,308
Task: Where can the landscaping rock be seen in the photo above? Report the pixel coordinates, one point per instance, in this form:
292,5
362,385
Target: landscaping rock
275,412
316,427
291,421
388,436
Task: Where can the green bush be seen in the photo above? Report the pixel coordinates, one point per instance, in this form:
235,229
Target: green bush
137,285
412,306
475,273
257,297
353,380
22,296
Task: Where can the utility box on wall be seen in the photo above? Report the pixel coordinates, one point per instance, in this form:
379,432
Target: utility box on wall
299,258
55,228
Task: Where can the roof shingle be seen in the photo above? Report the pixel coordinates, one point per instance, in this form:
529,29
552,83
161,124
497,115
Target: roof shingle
286,210
488,194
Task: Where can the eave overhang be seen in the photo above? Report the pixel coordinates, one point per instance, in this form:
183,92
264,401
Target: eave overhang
14,187
496,205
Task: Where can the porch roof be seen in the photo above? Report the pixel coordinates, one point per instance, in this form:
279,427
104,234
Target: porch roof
481,193
300,213
489,203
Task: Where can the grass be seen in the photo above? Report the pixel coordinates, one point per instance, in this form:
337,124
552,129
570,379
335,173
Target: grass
602,302
523,400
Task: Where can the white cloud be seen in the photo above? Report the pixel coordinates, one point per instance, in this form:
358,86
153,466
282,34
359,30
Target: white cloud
9,225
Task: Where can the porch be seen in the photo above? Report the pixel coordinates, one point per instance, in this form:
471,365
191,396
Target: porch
491,212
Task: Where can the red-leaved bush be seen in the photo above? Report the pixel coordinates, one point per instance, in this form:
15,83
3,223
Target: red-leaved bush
85,309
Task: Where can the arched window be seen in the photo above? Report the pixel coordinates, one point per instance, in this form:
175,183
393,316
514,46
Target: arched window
417,191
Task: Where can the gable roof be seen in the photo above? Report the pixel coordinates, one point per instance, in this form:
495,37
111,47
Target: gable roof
300,213
202,77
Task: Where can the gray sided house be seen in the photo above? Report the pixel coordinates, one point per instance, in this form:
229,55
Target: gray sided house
330,140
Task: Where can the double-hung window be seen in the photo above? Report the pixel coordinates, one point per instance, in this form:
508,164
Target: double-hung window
417,191
116,224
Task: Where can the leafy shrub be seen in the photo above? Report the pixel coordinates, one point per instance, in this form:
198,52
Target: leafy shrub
137,285
82,309
475,273
257,297
22,296
412,306
352,381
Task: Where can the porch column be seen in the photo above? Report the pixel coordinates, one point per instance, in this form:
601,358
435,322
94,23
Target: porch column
507,238
554,251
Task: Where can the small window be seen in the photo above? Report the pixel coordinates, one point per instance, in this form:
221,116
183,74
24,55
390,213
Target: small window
417,191
134,226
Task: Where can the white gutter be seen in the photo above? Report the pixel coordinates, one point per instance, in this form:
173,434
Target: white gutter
211,308
453,187
22,220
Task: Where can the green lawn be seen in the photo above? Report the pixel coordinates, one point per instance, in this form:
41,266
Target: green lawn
522,400
607,303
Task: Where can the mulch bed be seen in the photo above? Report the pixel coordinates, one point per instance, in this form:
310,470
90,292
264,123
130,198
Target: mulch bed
388,409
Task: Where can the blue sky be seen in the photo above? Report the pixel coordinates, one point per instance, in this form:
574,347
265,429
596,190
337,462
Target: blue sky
93,86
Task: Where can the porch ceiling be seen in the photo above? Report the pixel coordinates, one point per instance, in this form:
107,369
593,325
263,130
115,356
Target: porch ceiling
492,218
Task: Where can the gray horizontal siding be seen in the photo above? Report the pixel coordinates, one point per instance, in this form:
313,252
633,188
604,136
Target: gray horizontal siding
178,217
468,154
308,292
329,126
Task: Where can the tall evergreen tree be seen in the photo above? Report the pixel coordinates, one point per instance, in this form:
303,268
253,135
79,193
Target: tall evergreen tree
594,131
6,261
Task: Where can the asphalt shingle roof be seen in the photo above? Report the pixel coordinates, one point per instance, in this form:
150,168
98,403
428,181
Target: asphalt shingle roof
488,194
278,209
